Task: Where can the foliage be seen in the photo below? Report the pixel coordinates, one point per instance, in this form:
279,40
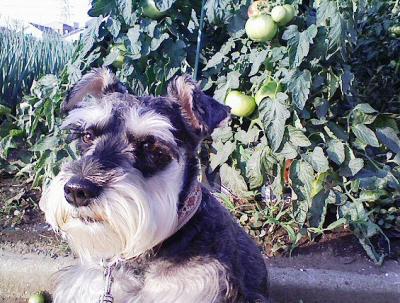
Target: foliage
24,58
322,154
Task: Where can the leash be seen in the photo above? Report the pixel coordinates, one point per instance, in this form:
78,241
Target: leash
107,297
187,211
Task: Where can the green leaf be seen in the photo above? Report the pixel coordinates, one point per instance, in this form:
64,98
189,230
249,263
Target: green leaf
217,11
299,85
318,208
355,165
299,43
91,35
329,16
389,138
336,224
125,10
222,153
253,169
233,180
247,137
336,151
302,175
297,137
274,114
257,58
4,110
365,135
101,7
365,108
288,151
318,160
222,134
113,26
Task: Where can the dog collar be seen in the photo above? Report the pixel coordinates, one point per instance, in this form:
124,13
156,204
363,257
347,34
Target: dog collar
185,213
190,206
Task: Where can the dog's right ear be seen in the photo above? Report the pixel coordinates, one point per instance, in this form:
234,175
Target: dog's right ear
97,83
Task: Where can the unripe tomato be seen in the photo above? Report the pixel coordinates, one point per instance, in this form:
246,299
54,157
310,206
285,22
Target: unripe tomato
290,13
395,30
241,105
270,89
261,28
121,50
150,9
278,14
258,8
37,298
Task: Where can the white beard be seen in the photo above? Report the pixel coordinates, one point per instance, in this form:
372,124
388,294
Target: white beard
131,216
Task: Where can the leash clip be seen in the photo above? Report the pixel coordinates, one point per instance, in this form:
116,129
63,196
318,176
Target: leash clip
107,297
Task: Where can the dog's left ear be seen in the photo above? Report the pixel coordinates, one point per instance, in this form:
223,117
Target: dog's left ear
97,83
202,112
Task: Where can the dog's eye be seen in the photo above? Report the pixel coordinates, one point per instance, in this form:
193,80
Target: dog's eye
87,137
146,146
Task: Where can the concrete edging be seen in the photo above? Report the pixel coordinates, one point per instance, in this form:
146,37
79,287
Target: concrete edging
22,275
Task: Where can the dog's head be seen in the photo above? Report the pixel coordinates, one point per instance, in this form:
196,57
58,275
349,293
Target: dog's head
138,157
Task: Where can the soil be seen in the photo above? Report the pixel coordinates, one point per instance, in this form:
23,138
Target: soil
22,225
338,251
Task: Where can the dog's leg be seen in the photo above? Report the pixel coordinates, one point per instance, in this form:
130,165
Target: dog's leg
199,281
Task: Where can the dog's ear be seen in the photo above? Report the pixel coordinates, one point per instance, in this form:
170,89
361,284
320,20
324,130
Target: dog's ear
97,82
203,113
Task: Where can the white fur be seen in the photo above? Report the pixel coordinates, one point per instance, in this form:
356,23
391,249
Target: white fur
90,112
149,123
195,282
134,215
163,282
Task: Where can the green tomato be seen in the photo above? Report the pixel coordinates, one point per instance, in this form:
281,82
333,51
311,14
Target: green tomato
241,105
290,13
257,8
261,28
121,49
279,14
395,30
37,298
270,89
150,9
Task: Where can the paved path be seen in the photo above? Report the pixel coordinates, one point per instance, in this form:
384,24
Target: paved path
22,275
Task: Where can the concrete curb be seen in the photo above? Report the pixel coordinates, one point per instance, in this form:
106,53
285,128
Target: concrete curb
329,286
22,275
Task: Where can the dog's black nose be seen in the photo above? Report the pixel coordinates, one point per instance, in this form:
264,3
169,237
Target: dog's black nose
79,192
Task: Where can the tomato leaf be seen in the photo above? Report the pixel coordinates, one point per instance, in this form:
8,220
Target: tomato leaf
336,151
365,135
274,115
299,85
389,138
299,43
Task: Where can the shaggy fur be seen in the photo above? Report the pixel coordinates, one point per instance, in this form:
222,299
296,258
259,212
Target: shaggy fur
120,201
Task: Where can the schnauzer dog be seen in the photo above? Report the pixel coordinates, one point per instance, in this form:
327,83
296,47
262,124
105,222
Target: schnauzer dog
132,208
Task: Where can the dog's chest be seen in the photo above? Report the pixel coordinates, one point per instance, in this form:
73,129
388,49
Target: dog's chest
86,284
198,281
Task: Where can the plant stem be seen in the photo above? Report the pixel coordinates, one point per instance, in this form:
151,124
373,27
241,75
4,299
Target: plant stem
199,37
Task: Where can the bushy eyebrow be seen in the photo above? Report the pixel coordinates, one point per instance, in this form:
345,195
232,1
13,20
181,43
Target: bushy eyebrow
92,113
149,123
